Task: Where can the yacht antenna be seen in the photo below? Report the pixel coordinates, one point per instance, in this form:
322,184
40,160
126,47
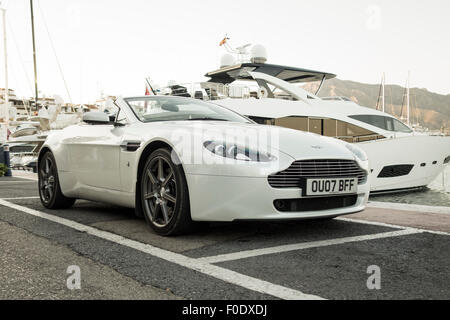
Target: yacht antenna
34,56
241,51
6,71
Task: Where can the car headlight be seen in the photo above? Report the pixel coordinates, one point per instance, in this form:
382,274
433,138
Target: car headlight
357,151
236,152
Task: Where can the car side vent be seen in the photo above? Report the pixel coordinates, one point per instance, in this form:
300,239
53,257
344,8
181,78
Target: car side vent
396,171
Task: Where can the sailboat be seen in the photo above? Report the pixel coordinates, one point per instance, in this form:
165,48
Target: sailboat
29,131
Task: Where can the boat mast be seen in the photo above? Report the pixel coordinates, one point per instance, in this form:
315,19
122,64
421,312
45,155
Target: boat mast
383,82
407,99
34,56
6,69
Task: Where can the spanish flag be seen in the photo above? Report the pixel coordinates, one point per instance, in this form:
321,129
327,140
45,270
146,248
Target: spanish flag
224,41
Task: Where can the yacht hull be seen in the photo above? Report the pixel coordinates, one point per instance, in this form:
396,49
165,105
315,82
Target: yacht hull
407,162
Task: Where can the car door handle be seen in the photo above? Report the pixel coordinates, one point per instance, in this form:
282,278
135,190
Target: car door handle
130,146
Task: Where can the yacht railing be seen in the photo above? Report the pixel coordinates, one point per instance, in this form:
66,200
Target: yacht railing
215,91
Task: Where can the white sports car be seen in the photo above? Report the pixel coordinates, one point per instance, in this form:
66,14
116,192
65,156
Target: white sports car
181,161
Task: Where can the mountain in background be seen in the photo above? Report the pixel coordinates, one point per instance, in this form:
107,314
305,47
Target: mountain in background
430,110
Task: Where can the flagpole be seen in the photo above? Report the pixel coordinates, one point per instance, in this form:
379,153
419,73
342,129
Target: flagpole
6,72
34,55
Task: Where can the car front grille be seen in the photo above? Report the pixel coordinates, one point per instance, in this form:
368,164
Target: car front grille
315,204
299,171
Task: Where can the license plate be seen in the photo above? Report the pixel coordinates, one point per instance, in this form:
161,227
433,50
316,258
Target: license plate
331,186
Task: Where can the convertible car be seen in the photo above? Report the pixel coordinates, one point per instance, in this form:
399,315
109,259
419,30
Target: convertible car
181,161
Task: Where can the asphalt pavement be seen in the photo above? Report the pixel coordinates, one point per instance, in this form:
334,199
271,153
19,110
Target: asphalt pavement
119,257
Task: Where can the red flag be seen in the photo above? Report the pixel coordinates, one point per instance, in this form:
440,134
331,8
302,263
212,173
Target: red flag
147,91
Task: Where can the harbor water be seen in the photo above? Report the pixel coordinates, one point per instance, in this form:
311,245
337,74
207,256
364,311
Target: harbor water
437,193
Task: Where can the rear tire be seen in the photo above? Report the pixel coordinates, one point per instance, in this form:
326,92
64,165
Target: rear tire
165,196
49,187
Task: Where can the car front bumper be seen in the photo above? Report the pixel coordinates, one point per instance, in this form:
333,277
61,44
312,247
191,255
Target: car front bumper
227,199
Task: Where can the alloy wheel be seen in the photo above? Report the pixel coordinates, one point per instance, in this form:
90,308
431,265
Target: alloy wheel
160,191
47,180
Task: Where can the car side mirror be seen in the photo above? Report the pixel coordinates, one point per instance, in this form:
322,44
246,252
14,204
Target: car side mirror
96,118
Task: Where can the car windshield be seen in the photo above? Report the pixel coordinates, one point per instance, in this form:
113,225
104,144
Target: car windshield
156,109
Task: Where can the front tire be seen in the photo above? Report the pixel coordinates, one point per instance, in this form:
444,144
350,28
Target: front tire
164,195
49,187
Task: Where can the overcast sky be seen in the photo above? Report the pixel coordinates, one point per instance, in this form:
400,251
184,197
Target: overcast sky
113,45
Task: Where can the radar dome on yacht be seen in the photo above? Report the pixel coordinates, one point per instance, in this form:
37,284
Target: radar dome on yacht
258,54
227,60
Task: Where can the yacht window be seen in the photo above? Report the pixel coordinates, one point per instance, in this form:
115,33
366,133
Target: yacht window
400,127
382,122
263,121
390,124
330,128
315,126
345,129
296,123
326,127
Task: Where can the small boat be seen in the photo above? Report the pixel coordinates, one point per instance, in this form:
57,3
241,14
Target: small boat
24,130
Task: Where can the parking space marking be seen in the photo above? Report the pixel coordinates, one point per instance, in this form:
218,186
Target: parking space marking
20,198
217,272
301,246
408,207
16,182
25,175
382,224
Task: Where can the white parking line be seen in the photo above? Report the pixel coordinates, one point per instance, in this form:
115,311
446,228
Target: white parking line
25,175
301,246
20,198
223,274
382,224
14,182
408,207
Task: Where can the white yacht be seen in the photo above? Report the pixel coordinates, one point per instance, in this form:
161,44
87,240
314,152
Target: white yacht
400,159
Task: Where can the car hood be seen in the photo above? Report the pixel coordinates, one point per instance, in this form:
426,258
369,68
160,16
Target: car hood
297,144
